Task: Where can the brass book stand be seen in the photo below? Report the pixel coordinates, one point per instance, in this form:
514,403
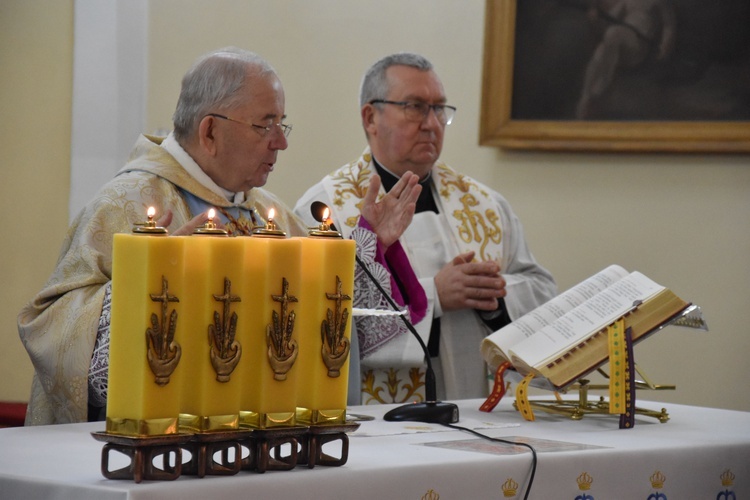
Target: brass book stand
577,409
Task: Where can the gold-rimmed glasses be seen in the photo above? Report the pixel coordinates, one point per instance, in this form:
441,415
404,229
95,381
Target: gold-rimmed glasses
262,130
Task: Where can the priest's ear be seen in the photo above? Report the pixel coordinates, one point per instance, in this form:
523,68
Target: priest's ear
206,130
368,118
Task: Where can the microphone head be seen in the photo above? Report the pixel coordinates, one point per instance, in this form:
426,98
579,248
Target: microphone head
317,208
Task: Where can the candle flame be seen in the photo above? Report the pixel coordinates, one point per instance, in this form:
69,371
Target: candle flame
326,213
150,212
211,214
271,213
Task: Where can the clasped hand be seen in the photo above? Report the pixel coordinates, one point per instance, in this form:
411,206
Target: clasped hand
463,284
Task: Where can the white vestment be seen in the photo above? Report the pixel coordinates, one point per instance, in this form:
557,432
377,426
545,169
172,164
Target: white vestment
472,217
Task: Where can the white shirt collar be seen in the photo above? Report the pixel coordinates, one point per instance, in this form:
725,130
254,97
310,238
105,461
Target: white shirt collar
186,161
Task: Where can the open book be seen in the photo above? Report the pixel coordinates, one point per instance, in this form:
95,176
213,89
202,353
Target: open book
566,338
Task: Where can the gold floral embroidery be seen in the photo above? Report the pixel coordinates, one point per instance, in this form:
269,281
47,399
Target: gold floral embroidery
399,391
352,182
473,225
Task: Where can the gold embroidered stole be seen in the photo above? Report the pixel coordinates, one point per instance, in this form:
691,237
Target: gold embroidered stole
469,209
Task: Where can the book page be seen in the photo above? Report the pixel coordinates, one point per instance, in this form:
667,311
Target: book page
583,321
530,323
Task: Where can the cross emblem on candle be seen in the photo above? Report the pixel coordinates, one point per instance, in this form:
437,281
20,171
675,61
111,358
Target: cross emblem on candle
163,351
225,350
282,348
333,329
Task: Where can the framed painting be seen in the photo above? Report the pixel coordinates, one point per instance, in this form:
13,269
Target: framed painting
617,75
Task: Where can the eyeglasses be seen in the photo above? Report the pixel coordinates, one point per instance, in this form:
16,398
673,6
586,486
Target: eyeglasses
418,111
263,131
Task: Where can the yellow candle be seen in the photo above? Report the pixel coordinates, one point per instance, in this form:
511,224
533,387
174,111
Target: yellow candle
143,389
211,350
269,337
325,329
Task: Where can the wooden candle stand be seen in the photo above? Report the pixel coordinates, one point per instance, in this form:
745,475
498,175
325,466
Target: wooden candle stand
142,452
257,450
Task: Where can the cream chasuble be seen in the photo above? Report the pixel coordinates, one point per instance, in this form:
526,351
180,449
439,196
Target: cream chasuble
58,327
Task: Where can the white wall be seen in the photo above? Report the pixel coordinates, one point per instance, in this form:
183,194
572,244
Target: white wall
681,219
109,87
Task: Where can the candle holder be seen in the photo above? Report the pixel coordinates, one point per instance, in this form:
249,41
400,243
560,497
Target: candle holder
209,228
149,227
323,231
269,230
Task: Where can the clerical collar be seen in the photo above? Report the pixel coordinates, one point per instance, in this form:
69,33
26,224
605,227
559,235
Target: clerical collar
196,172
426,200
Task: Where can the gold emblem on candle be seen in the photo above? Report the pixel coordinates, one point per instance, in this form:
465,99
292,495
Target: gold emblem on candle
335,350
225,350
163,352
282,348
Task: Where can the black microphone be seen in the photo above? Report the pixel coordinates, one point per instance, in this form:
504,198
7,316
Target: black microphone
431,410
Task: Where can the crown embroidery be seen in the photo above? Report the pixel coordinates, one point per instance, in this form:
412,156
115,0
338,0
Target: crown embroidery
657,480
727,478
584,481
510,488
431,495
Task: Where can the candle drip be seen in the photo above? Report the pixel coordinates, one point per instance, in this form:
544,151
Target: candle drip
225,350
282,348
335,349
163,352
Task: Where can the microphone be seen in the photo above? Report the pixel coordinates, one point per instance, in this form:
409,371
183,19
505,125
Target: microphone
431,410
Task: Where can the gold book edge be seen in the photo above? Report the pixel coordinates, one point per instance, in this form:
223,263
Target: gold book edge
142,427
256,420
212,423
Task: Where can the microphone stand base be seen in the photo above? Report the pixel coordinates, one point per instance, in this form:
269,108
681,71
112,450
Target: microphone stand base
434,412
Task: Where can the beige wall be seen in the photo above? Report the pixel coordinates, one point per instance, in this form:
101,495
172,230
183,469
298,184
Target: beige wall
36,48
681,219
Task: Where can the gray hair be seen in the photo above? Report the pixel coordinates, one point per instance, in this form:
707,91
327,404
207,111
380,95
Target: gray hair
375,84
213,84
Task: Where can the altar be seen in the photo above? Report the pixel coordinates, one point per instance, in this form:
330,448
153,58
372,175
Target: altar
698,453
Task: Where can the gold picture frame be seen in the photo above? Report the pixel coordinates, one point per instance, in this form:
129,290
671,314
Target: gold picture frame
499,127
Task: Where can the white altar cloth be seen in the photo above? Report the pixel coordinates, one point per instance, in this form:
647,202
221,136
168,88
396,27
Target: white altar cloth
691,453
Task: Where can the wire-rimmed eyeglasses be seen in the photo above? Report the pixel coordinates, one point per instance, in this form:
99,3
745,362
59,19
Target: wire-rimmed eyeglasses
262,130
417,111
